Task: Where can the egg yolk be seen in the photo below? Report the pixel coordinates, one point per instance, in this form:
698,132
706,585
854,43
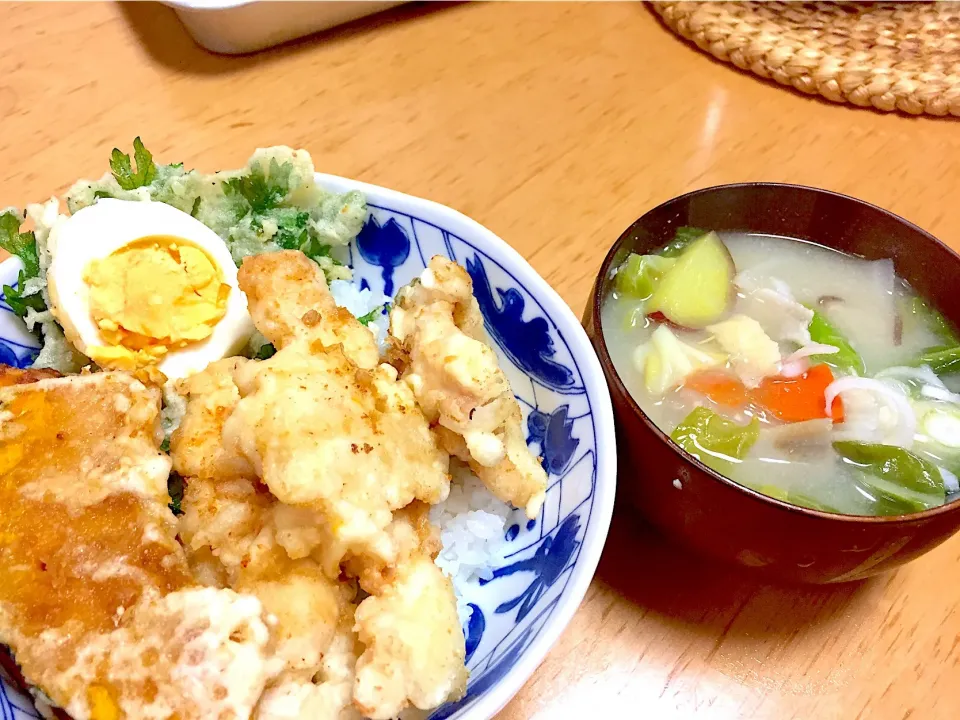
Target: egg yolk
152,296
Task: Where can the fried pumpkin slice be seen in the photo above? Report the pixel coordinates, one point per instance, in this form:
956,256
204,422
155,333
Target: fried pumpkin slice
322,429
97,603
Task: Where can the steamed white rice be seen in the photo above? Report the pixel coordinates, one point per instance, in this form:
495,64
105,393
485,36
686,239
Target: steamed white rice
472,526
362,302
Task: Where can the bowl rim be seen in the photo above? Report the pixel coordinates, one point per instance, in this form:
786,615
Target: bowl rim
495,698
596,302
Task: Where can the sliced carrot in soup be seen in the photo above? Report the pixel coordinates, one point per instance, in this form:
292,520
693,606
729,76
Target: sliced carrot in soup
800,398
719,386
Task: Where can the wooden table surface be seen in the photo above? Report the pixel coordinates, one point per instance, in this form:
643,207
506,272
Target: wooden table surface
556,126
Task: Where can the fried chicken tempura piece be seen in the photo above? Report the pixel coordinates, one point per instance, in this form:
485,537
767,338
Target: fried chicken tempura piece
350,444
459,384
415,648
328,695
236,531
411,535
196,447
309,607
244,538
222,519
225,524
289,299
95,586
324,432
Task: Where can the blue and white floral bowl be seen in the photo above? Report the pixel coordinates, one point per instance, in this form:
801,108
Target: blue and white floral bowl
519,614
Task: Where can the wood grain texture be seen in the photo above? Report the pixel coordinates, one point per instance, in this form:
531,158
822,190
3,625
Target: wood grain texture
556,126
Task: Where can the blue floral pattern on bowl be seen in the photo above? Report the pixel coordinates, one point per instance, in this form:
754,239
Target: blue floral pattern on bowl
385,246
14,705
519,612
18,347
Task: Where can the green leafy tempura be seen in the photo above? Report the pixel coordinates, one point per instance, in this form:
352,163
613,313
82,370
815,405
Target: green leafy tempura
175,487
20,303
271,204
265,352
24,246
264,195
121,168
261,192
292,231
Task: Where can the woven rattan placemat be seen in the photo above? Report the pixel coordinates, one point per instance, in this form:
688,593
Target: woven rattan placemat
889,56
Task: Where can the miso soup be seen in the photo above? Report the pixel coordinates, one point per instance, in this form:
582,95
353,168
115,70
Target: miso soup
811,376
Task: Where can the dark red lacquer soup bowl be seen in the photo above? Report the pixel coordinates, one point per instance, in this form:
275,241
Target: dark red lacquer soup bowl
716,516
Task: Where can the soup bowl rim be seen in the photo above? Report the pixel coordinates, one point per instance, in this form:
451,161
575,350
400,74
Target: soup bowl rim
598,293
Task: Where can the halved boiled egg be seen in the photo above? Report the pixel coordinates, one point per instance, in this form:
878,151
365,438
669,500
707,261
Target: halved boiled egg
142,285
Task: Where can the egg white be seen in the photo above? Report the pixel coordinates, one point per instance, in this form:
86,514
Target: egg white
95,232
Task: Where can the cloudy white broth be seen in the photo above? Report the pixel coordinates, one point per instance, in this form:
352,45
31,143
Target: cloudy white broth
808,375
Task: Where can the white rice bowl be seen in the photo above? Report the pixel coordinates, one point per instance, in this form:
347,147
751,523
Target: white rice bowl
518,581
